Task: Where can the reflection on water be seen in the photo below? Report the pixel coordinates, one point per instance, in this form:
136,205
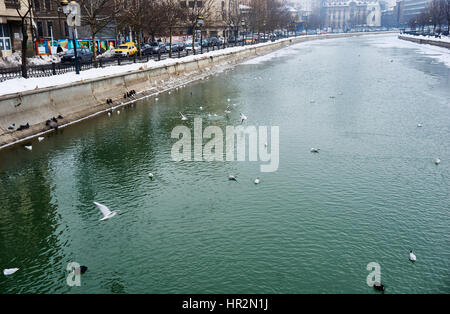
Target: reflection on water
371,194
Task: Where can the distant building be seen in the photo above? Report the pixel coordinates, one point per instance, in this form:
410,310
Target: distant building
411,8
10,27
345,15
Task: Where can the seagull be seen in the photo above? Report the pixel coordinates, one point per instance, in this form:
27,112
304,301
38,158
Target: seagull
265,144
118,111
419,125
315,150
183,117
105,211
256,180
40,138
150,175
412,257
228,99
109,114
231,177
437,161
243,117
10,271
228,110
201,108
156,99
29,147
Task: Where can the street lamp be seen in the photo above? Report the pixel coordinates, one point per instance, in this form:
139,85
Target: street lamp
72,11
200,24
243,26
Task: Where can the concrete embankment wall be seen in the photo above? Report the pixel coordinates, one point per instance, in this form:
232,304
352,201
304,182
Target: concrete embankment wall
82,99
426,41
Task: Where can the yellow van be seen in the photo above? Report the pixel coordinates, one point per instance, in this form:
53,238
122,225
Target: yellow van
125,50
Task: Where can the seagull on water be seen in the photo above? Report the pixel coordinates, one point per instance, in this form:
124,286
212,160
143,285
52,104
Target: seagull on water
40,138
228,110
412,257
243,117
233,178
437,161
9,271
150,175
315,150
256,180
105,211
118,111
201,108
183,117
419,125
29,147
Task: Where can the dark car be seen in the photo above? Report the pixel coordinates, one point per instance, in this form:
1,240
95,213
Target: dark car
232,40
83,55
146,49
158,48
213,41
181,45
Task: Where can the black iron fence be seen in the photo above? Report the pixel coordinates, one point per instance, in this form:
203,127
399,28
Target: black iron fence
65,67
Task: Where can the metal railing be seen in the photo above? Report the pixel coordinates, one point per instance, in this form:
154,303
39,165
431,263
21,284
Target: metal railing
65,67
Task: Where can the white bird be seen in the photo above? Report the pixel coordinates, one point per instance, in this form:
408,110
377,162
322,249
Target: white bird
29,147
201,108
256,180
228,99
156,99
231,177
315,150
183,117
419,125
109,114
150,175
105,211
40,138
243,117
118,111
10,271
437,161
215,115
228,110
412,257
265,144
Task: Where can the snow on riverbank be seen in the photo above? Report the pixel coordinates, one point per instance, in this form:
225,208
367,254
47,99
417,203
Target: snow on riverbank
445,39
21,84
439,53
15,60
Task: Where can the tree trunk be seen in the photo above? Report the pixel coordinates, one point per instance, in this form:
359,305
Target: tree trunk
94,49
24,48
170,40
138,34
193,38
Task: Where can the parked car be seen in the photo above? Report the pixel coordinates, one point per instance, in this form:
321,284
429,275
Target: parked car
181,45
196,47
125,50
232,40
146,49
213,41
158,47
83,54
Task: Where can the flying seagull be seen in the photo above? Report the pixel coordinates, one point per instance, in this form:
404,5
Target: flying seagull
10,271
183,117
243,117
105,211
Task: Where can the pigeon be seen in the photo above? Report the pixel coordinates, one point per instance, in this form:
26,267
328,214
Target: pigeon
243,117
12,126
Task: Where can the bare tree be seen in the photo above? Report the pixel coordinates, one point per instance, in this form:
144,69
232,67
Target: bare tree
24,14
172,14
133,14
194,10
98,14
436,13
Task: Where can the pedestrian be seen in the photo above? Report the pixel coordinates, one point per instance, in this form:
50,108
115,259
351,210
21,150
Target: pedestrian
59,49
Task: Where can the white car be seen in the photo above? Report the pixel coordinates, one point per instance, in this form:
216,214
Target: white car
196,47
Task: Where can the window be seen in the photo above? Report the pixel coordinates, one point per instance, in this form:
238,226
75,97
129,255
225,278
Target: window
183,4
48,5
40,29
199,4
37,5
191,4
49,28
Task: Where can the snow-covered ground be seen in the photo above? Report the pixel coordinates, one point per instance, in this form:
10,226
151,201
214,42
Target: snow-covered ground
21,84
15,60
442,39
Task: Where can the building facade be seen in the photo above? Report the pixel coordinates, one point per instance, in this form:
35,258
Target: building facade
10,26
50,21
345,15
411,8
